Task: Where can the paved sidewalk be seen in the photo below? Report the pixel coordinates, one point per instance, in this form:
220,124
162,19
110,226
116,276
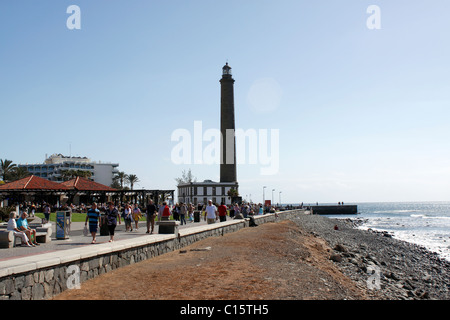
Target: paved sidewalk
77,239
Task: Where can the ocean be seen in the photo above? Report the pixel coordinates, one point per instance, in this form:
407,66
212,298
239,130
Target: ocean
423,223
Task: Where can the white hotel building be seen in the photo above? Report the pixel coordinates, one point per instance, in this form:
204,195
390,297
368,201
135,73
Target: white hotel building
53,167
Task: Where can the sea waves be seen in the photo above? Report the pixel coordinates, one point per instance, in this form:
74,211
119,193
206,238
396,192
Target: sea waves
426,224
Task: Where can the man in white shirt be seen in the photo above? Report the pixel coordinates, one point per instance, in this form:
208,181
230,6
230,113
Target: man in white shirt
12,226
211,213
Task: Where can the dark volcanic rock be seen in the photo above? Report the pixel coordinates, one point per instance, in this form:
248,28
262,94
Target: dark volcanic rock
404,270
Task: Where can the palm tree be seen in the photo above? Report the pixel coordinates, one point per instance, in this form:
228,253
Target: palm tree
84,174
70,174
6,168
19,173
121,177
115,184
132,179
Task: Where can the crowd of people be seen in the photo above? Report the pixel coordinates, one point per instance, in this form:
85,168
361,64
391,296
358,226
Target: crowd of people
40,206
179,210
131,213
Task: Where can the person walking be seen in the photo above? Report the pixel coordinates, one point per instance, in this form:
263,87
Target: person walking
231,209
211,213
47,211
33,209
176,212
137,215
151,214
222,212
128,217
164,212
93,216
237,210
183,211
160,211
112,216
251,209
191,212
244,210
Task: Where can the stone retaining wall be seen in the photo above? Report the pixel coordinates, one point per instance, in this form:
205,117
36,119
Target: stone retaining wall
46,275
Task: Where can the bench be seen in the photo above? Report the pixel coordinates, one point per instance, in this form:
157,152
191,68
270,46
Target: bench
43,232
8,240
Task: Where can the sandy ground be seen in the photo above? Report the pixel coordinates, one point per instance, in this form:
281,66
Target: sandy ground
274,261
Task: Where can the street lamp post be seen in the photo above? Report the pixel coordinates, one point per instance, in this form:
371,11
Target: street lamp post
279,195
264,196
272,195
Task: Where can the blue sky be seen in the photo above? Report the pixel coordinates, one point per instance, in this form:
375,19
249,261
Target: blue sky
362,114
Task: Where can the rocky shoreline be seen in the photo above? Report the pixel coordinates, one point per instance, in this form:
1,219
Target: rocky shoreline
389,268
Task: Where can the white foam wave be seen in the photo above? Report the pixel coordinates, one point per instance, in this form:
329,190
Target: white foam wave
395,211
423,216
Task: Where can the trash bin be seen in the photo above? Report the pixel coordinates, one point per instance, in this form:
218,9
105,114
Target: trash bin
63,221
196,216
104,231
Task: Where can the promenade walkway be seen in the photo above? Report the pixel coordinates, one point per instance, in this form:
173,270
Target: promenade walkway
41,272
77,239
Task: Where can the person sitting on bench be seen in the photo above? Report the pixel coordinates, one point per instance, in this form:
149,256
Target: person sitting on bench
22,225
12,226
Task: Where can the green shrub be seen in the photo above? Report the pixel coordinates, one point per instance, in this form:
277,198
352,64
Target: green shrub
4,213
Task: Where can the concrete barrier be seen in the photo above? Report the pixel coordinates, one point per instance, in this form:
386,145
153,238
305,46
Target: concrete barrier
341,209
45,275
6,239
168,227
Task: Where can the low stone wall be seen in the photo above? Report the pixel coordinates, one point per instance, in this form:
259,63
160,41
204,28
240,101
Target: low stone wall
45,275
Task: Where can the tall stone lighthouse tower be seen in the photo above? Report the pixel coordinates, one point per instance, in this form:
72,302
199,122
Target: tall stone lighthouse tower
227,127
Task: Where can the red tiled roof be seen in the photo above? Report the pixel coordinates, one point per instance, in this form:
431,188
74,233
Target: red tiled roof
32,183
82,184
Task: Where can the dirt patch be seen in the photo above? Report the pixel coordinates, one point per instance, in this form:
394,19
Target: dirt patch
272,261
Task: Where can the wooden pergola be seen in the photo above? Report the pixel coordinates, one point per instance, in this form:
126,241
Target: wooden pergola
32,187
87,190
90,189
35,188
143,196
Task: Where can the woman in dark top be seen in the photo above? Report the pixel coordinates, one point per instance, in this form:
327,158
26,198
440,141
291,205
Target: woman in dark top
111,219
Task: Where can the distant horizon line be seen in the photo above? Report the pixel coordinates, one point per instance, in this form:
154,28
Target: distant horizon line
362,202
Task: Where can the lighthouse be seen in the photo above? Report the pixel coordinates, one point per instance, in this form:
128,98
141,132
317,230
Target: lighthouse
225,191
227,127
